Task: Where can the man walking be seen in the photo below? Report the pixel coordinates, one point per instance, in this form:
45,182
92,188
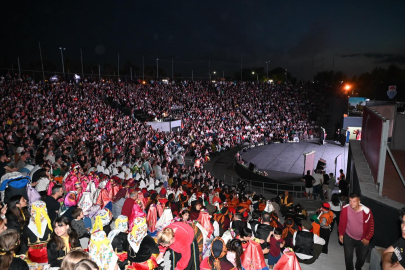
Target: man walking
356,228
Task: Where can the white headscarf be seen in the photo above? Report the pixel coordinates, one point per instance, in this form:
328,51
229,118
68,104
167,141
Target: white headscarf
101,251
121,225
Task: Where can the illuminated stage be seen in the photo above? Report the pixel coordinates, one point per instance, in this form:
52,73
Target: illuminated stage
285,161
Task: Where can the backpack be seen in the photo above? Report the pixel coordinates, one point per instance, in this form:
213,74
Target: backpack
16,186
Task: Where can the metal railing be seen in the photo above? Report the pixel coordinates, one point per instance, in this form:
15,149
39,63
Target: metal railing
265,188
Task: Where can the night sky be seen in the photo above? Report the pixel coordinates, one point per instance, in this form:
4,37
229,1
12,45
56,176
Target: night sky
302,36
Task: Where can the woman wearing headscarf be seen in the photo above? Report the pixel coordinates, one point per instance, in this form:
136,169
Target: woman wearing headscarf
101,221
143,250
69,204
118,236
217,260
63,240
38,233
223,218
101,251
288,232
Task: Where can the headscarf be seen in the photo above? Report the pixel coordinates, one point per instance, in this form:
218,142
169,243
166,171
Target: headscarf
138,233
274,219
121,225
288,228
101,219
218,251
85,202
39,219
101,251
70,199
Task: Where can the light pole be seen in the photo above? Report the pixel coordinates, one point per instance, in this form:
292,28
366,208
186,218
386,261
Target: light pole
81,59
286,76
257,75
63,65
212,73
267,63
157,68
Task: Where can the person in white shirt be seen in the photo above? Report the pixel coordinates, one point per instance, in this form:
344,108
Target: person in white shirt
318,184
307,246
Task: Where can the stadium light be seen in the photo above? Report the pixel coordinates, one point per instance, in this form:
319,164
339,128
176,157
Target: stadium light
347,87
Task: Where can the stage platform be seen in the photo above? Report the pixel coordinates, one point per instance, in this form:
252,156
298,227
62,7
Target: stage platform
285,161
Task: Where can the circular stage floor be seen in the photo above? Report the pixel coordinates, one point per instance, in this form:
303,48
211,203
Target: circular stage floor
285,161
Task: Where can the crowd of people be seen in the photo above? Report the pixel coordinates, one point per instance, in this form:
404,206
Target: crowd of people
86,186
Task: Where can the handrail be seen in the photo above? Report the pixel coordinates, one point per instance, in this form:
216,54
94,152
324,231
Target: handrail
266,187
396,165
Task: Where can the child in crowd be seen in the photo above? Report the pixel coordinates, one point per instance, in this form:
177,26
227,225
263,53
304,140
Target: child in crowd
78,223
276,243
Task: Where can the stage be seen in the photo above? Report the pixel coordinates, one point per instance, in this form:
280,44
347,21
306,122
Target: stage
285,161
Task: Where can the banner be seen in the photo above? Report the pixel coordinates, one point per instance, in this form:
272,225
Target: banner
371,140
309,161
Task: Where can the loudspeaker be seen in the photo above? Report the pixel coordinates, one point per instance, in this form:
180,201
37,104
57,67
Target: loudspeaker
251,166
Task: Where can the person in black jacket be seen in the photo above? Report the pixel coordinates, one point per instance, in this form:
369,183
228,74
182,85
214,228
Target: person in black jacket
18,218
9,245
262,232
63,239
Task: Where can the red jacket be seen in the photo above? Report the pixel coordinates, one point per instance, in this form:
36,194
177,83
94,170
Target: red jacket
368,222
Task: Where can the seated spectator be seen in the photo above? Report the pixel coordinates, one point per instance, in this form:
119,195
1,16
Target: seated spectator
63,240
307,246
9,245
72,258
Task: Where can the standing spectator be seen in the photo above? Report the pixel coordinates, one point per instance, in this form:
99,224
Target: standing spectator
52,205
262,232
336,207
318,184
331,186
325,220
325,186
394,255
356,228
276,243
309,182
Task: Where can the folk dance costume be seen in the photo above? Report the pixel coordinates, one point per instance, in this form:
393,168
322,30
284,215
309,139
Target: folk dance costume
118,238
101,251
182,257
101,221
143,250
253,258
38,233
217,260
